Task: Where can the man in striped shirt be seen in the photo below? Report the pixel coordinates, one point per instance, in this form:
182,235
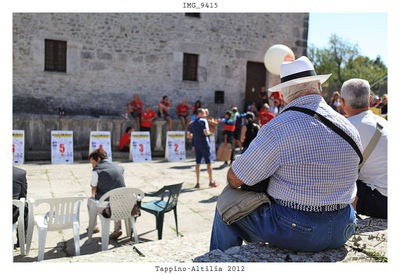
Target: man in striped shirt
312,173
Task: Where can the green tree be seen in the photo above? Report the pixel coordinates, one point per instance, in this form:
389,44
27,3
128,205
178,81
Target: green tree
343,61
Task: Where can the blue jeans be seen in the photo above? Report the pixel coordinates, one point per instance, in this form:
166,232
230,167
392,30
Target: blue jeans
287,228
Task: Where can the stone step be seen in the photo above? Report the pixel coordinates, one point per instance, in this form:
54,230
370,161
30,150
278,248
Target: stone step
368,244
177,250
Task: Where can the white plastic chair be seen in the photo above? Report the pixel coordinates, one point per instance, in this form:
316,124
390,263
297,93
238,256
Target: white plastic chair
63,214
20,224
121,202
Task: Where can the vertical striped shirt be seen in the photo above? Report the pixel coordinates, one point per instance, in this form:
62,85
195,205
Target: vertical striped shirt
308,164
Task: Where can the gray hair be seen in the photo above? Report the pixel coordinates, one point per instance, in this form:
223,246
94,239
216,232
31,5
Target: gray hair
356,93
294,91
266,105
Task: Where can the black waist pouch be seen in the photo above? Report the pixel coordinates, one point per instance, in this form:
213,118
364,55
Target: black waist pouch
260,187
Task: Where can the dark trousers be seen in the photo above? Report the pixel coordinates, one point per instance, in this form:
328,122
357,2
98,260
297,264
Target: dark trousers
370,202
145,129
125,149
15,218
229,135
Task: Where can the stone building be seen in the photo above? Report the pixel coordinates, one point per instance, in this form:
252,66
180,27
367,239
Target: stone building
90,64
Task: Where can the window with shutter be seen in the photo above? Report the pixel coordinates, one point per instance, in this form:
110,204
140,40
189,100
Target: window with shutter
192,14
190,62
55,55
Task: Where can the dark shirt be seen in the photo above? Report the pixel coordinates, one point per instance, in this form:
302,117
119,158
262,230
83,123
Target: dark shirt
111,176
20,189
200,140
20,186
384,109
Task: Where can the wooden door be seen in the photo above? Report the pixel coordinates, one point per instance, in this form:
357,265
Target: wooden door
255,78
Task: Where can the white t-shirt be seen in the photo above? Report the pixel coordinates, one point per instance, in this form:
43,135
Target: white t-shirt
95,179
374,171
274,110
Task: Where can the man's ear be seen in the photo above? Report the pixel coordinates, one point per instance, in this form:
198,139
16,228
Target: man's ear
370,99
343,101
319,88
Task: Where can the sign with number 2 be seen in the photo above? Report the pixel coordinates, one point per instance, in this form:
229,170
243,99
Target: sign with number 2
175,150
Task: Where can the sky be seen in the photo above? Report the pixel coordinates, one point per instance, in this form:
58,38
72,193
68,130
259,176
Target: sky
368,30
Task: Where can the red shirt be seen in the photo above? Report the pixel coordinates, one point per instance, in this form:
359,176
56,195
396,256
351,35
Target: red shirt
182,109
147,115
125,139
165,104
265,116
137,105
375,104
277,96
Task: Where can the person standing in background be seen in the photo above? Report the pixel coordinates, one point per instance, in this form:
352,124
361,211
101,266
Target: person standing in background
199,131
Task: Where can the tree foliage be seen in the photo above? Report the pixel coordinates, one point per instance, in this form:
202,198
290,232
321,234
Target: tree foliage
344,62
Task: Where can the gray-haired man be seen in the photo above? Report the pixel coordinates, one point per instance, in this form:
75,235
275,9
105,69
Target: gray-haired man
371,197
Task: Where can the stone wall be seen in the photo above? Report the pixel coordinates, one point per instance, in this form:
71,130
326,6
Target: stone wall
38,134
112,56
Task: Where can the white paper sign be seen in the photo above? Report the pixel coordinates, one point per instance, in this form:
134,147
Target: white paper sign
213,156
140,149
100,140
62,147
175,149
18,146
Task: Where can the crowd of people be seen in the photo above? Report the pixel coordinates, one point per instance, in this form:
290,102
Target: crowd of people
144,118
281,142
314,186
378,104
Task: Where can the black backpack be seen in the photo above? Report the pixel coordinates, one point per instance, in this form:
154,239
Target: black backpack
251,133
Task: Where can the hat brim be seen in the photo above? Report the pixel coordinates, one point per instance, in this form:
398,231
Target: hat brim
322,78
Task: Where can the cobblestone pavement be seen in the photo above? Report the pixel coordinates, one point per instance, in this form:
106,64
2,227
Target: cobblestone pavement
195,206
195,215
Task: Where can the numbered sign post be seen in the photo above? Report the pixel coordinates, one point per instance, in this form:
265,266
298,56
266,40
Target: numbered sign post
175,149
62,147
140,149
18,146
100,140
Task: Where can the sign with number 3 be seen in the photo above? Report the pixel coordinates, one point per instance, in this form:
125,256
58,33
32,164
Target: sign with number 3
140,150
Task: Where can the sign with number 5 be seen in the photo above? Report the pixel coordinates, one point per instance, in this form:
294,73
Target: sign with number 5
62,147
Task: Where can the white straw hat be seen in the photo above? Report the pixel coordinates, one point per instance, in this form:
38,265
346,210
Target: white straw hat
299,71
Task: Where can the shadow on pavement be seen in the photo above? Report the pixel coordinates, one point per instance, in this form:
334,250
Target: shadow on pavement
65,249
370,225
182,167
210,200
